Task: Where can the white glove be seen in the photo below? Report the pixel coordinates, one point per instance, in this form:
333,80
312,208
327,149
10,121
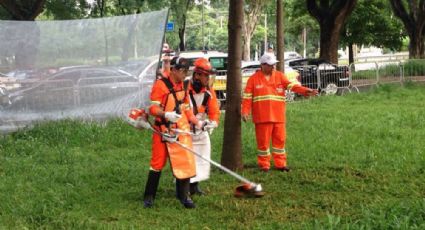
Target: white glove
172,116
169,138
200,125
210,126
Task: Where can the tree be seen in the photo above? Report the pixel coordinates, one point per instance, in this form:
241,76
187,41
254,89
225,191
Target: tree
179,9
414,22
26,10
65,10
331,15
253,10
371,23
231,157
300,23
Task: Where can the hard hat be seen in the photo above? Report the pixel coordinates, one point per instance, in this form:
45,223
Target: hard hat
202,65
179,63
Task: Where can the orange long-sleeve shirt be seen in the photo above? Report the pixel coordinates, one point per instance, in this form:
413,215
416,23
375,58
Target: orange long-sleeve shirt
160,99
266,98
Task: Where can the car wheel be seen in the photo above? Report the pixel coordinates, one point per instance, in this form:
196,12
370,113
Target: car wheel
330,89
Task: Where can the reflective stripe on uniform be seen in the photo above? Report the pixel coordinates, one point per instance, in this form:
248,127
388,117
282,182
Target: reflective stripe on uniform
278,151
263,152
247,95
155,103
269,97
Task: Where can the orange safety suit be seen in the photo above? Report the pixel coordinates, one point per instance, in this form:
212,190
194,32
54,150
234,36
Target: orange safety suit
205,106
266,99
182,161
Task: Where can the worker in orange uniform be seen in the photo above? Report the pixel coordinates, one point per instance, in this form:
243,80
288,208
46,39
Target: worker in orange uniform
204,104
264,95
170,106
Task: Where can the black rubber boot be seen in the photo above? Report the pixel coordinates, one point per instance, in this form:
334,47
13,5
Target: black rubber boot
150,189
183,193
195,190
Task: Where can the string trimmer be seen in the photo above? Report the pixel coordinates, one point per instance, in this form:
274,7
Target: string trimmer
139,119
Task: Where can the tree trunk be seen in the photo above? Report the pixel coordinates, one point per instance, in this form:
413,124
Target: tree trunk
350,53
329,39
231,157
246,54
414,22
280,38
252,13
331,16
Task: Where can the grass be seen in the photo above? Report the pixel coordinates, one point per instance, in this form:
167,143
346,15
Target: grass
358,163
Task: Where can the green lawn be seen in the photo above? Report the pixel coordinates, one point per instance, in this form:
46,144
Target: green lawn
358,163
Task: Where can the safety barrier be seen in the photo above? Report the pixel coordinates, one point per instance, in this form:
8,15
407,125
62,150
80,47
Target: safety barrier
374,73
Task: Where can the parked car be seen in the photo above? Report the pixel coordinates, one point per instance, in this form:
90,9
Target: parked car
76,86
319,74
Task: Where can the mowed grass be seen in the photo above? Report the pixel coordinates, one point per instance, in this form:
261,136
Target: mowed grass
357,163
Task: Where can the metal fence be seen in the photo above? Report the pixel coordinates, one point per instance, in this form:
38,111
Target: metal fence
341,79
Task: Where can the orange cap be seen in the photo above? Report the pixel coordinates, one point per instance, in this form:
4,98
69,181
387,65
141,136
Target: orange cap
202,65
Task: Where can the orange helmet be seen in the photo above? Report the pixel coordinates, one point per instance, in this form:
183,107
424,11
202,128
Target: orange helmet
202,65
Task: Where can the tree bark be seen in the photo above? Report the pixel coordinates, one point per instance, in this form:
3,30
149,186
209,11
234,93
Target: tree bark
231,157
280,36
414,22
331,16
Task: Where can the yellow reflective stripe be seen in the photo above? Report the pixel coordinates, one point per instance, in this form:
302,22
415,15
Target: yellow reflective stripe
269,97
278,151
247,95
263,152
155,102
292,84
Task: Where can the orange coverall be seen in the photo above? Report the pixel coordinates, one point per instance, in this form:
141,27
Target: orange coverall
266,100
182,162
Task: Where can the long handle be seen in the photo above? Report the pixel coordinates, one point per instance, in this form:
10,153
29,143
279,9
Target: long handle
237,176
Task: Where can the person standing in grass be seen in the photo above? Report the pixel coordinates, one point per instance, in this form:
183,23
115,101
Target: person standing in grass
204,104
171,109
264,96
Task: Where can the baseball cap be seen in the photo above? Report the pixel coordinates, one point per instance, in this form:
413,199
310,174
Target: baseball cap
269,59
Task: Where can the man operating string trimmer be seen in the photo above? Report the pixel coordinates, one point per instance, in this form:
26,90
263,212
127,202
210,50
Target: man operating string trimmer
172,137
170,107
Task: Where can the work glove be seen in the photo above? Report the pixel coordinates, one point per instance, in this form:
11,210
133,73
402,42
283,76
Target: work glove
170,138
172,116
210,126
200,125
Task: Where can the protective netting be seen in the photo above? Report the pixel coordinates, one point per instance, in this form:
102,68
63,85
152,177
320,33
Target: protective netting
88,69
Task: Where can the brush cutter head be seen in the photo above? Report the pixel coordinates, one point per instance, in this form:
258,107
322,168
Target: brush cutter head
249,190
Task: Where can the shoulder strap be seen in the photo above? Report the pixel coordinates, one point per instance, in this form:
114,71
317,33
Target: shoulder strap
195,106
170,87
206,98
